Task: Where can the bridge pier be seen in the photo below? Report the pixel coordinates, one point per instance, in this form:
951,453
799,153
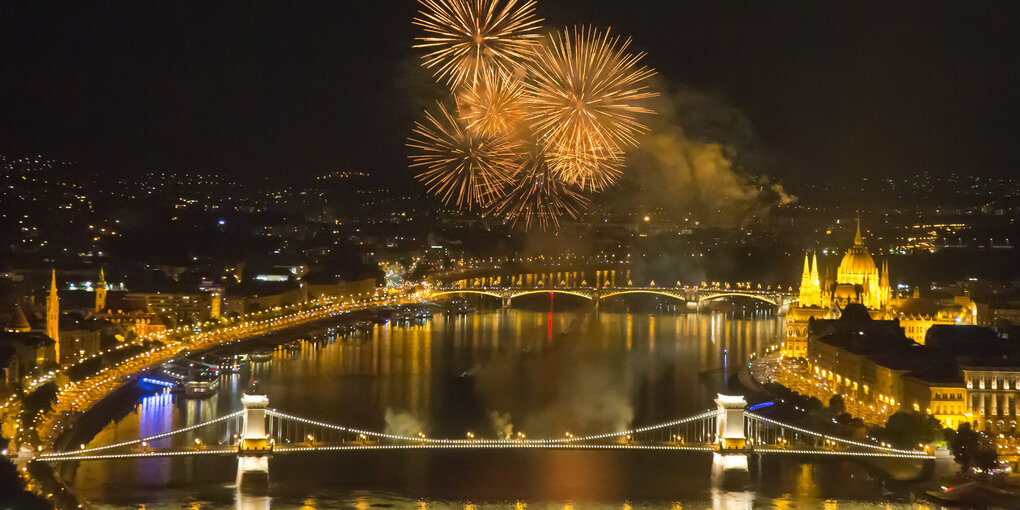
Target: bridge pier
253,447
506,301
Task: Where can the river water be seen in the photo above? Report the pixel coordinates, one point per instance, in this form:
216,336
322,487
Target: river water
490,372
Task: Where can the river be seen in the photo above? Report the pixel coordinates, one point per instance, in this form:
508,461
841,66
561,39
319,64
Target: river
489,372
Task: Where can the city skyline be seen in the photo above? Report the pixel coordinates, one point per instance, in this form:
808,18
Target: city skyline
509,253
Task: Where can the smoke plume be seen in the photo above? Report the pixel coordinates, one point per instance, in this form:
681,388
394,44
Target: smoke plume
402,423
502,425
696,162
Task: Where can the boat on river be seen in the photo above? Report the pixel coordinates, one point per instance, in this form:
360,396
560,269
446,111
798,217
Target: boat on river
260,355
201,386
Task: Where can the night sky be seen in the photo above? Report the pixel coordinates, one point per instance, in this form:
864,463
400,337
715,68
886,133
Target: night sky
300,87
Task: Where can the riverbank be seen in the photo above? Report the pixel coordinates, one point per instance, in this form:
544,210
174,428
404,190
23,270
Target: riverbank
939,482
73,398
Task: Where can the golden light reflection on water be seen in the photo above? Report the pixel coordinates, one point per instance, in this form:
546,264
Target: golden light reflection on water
512,361
806,487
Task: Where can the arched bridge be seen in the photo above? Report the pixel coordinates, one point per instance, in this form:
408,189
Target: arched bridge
594,283
698,295
256,433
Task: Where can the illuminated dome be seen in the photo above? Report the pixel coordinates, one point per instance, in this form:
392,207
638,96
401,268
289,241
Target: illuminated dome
857,261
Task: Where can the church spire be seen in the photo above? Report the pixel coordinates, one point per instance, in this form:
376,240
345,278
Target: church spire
858,240
807,268
814,267
53,315
101,291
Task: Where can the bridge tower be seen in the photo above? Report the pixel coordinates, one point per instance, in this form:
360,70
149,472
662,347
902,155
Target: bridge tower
253,447
731,459
730,423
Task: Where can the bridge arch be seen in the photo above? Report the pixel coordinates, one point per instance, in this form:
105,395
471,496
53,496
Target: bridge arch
551,291
722,295
494,294
674,295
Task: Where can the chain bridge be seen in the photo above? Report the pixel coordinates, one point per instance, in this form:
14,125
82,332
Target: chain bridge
254,434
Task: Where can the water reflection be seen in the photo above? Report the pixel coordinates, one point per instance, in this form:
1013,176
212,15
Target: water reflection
545,373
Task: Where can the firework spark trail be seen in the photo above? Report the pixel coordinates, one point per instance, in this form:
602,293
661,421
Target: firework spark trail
538,198
464,38
583,96
462,167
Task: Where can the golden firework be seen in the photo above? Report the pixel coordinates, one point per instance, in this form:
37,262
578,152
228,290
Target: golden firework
537,198
466,37
494,104
461,166
584,94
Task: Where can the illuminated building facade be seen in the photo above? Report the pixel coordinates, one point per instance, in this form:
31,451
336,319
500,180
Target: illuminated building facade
992,394
964,374
860,280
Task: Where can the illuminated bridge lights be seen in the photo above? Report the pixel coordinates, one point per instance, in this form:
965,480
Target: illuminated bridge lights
235,414
421,439
421,442
833,439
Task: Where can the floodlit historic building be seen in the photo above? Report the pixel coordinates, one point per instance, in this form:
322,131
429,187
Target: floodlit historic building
860,280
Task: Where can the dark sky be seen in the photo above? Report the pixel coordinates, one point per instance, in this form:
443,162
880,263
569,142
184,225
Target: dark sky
300,87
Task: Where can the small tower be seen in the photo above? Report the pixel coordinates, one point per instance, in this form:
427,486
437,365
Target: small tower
53,315
810,288
805,283
816,284
101,291
18,322
814,270
884,287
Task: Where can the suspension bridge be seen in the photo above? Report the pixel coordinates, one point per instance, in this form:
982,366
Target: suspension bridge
256,432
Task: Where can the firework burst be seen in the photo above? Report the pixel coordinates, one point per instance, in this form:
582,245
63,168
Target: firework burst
467,37
541,122
461,166
584,95
494,104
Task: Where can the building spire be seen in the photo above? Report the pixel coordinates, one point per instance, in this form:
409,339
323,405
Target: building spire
101,291
53,315
814,266
807,267
858,240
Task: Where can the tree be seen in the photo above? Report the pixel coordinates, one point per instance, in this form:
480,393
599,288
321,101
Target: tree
844,419
906,430
12,487
971,449
837,405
